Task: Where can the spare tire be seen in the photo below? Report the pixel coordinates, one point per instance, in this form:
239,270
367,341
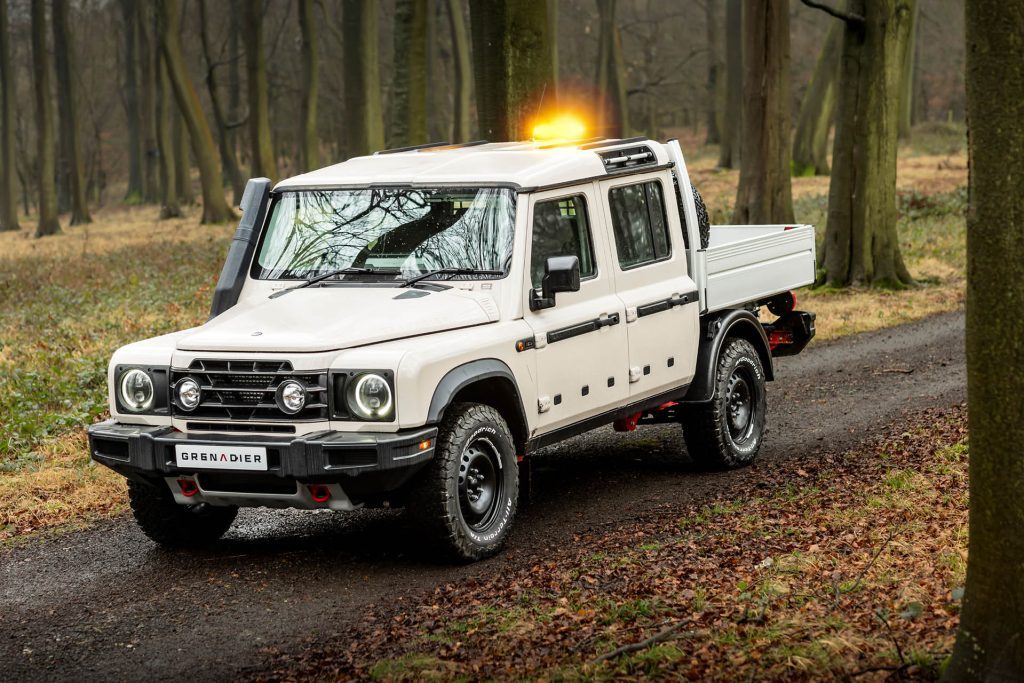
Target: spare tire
703,221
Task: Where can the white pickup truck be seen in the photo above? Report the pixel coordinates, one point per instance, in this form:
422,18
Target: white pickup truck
407,328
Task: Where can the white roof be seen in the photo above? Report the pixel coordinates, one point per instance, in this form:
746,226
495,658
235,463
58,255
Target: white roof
523,164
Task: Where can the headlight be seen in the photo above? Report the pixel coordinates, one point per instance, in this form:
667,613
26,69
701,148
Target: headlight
137,390
291,397
369,397
189,393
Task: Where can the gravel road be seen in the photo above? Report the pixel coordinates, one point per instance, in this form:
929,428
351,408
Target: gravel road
107,604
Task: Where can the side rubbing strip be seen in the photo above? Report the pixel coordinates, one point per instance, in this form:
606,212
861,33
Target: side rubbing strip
576,330
666,304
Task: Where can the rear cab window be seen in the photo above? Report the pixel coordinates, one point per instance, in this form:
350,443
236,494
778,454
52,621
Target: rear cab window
639,224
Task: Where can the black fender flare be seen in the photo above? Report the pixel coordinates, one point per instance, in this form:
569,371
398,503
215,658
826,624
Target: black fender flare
254,204
714,330
462,376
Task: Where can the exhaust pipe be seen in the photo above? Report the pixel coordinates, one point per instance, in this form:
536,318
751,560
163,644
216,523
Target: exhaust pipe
320,493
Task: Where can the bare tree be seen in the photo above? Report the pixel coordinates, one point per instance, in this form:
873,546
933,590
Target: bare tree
409,85
365,130
310,144
166,111
67,114
463,71
861,245
264,162
147,100
907,77
818,110
729,149
215,207
511,64
715,90
8,201
129,9
611,73
49,222
764,194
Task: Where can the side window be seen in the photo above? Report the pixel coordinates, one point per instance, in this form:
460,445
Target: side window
639,223
560,228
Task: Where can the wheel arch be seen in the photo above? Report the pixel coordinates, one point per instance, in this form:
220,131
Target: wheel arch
714,331
488,381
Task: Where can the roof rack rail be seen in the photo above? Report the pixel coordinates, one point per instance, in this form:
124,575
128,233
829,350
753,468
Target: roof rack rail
608,142
412,148
570,143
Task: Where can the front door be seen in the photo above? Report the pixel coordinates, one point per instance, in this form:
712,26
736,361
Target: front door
580,343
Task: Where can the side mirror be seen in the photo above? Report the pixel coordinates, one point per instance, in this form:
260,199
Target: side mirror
561,274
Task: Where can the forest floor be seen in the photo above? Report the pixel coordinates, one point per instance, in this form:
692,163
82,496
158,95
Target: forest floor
71,299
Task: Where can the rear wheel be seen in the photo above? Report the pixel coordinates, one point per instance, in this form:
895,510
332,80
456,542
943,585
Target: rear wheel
466,498
174,525
727,431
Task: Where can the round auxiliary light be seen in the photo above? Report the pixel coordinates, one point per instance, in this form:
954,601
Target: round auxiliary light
189,394
369,396
137,390
291,397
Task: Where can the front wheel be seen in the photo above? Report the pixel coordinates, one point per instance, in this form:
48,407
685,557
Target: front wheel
466,498
727,431
174,525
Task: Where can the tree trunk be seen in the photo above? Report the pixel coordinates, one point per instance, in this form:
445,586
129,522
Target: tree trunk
234,111
147,102
264,162
8,171
714,135
907,78
463,72
512,64
365,130
861,245
67,112
129,8
215,207
310,150
225,132
764,194
553,47
611,74
818,110
182,159
49,222
990,641
729,150
166,112
409,93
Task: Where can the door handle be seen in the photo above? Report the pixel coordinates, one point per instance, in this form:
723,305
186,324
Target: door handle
608,320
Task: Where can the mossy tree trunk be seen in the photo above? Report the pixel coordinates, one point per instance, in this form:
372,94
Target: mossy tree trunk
364,132
165,110
309,144
215,207
129,8
409,86
264,162
49,222
147,100
861,245
8,198
907,77
611,73
729,149
225,128
990,641
463,72
818,110
764,194
67,113
511,65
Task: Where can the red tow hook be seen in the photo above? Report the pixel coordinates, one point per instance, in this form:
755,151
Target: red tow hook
188,487
320,493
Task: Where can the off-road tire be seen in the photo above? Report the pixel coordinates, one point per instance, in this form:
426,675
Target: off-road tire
715,436
703,221
176,526
439,502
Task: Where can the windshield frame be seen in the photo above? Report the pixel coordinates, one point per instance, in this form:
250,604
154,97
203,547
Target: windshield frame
255,269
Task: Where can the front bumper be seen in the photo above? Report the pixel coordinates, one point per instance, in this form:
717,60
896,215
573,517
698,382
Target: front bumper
365,465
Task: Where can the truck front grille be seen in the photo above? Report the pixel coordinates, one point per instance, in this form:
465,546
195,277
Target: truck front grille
245,390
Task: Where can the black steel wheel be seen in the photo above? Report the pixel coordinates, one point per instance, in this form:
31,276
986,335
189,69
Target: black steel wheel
727,431
466,497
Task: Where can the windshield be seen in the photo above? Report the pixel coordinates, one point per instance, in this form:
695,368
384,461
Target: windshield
397,233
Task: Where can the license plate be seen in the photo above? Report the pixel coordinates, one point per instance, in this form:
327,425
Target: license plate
194,456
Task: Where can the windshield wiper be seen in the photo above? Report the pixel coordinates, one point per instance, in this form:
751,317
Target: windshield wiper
449,271
325,276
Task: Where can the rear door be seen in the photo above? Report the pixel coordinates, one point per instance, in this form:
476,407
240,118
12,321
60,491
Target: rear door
580,343
659,297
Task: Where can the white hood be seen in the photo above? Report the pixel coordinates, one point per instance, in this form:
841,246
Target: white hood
333,318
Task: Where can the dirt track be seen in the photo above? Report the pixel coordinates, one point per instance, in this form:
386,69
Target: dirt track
107,604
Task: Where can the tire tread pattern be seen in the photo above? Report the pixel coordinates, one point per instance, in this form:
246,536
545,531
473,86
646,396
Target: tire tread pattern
166,522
